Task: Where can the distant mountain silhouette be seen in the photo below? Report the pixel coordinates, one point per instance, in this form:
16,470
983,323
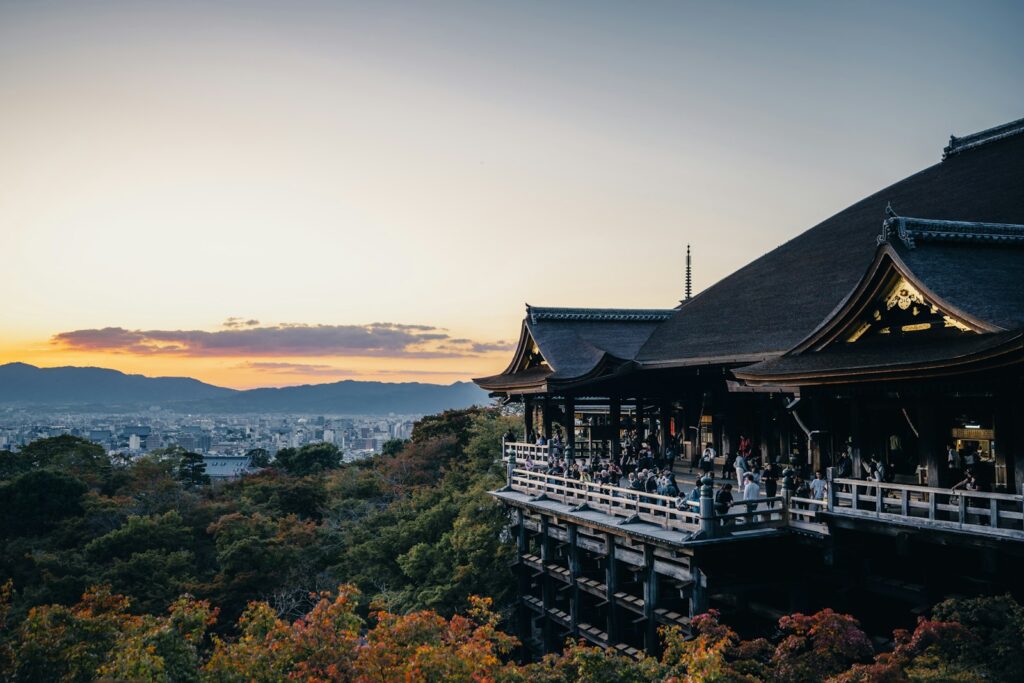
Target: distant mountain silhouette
28,385
350,397
86,388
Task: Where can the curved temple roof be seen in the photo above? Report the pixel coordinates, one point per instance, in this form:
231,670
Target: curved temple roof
568,345
770,305
965,248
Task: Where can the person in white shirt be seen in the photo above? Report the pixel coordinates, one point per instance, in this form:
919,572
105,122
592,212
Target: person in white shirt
819,487
751,492
741,470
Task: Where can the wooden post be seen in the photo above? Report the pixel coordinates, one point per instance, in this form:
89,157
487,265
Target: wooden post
665,432
698,590
640,419
522,576
931,449
616,426
857,434
787,494
611,583
546,587
708,524
528,419
546,416
574,573
650,601
570,423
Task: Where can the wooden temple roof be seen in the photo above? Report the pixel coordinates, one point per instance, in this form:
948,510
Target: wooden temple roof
560,346
954,232
769,306
940,297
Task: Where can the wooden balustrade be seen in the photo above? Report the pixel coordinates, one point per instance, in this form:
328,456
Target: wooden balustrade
977,511
648,507
974,511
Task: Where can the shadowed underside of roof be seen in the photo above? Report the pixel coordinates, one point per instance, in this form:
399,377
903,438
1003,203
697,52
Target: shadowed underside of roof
771,304
864,362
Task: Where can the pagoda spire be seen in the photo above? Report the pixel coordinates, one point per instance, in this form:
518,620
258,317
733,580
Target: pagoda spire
689,276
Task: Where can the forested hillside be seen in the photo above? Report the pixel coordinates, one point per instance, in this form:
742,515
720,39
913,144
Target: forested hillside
390,569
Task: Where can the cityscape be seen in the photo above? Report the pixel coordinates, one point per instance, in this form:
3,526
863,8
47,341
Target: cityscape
224,441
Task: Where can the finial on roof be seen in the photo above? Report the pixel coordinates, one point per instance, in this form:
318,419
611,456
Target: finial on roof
689,275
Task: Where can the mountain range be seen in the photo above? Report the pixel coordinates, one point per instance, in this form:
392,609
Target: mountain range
25,385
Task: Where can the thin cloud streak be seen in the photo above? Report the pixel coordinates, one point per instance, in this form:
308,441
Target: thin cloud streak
323,370
246,338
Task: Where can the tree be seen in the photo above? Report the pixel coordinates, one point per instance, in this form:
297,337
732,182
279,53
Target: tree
36,501
309,459
258,457
392,447
69,454
149,558
998,622
450,423
192,469
58,643
817,646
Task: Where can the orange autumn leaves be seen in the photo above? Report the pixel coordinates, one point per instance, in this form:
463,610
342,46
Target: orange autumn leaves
100,639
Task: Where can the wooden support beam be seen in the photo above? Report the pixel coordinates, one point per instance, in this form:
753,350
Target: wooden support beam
570,422
665,426
523,615
615,418
611,582
546,555
698,592
574,573
528,419
650,601
546,416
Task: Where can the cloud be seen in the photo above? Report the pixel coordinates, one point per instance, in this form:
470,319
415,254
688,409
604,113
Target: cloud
322,370
282,368
240,322
249,338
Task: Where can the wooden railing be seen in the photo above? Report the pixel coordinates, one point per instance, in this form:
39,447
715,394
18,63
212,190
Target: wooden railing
991,514
654,508
524,453
976,511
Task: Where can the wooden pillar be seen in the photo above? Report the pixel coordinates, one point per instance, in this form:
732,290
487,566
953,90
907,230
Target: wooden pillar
698,590
1009,433
570,422
857,434
641,416
666,419
574,573
546,416
616,424
764,422
650,601
611,583
546,555
931,449
523,615
528,418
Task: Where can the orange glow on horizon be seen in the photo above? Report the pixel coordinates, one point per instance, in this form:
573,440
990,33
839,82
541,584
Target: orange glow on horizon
276,371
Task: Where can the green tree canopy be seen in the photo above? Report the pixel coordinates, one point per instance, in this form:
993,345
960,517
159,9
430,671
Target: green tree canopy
309,459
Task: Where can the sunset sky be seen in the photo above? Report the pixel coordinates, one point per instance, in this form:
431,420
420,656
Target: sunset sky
273,193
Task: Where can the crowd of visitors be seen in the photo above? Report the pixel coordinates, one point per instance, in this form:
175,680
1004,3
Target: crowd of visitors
745,480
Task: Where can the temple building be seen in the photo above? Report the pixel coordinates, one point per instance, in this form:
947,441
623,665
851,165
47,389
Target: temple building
889,337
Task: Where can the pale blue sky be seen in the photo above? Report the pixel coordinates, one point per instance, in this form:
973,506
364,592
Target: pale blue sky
165,165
